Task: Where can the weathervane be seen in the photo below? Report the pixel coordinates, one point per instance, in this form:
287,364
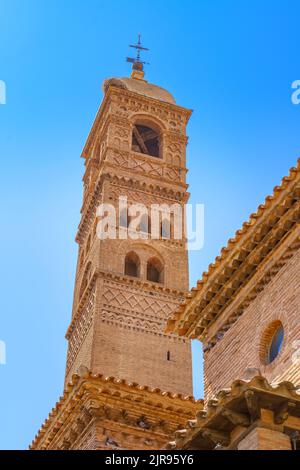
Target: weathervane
138,64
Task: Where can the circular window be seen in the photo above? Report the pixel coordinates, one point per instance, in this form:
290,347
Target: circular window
272,341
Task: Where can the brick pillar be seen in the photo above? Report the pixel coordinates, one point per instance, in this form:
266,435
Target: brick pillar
265,439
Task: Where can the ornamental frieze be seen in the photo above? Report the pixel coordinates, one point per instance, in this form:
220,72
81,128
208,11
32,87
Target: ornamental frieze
136,197
80,329
131,322
141,165
136,300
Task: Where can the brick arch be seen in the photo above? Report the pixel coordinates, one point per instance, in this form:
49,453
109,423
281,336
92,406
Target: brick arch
266,341
145,251
128,245
147,136
149,120
155,270
274,311
132,264
85,278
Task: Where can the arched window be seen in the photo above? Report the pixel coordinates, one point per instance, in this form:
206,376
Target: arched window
166,228
132,265
276,344
154,270
145,140
271,342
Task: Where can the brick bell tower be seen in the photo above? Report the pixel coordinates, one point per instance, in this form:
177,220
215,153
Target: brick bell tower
125,288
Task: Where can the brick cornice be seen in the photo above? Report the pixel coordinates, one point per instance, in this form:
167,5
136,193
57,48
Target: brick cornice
118,403
240,407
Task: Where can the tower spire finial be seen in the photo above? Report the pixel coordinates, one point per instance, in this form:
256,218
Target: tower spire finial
137,63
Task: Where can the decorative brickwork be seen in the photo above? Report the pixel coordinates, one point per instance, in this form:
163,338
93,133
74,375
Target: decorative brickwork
134,313
97,412
125,289
80,328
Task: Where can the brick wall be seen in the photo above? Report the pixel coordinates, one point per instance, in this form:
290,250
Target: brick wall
142,356
240,347
265,439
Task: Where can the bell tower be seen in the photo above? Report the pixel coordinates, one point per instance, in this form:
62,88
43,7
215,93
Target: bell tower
127,285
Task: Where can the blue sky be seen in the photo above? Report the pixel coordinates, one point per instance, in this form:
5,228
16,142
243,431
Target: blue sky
232,62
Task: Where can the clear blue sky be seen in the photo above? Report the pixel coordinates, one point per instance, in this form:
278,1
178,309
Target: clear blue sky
232,62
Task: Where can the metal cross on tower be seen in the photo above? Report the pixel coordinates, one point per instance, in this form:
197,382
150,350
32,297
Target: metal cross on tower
138,64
